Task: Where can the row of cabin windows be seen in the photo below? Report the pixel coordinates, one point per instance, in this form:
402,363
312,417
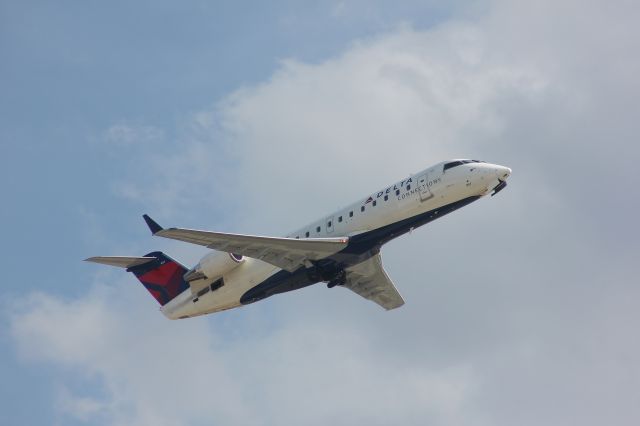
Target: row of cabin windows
374,203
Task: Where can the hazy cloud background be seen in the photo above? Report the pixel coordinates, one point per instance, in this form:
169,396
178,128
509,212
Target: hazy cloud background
521,309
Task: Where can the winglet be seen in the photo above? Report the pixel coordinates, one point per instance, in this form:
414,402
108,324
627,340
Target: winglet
152,224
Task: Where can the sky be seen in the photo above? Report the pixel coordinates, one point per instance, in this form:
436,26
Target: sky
261,117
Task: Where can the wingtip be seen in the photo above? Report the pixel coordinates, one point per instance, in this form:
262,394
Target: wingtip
152,224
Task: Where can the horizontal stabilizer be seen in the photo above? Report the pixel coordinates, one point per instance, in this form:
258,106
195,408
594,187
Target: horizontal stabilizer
161,275
121,261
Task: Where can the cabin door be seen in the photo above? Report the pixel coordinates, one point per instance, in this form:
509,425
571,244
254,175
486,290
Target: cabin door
423,187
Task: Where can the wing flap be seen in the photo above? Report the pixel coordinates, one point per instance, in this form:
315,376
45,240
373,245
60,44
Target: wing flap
369,280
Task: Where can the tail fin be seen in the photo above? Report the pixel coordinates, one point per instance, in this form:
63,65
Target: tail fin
161,275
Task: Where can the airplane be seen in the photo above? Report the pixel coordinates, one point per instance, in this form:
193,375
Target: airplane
341,249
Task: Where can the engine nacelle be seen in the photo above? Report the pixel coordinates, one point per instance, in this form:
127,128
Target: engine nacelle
214,265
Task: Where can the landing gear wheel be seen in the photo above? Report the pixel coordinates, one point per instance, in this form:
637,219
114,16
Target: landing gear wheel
339,279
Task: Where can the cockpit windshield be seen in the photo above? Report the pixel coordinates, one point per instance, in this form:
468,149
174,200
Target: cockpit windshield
459,163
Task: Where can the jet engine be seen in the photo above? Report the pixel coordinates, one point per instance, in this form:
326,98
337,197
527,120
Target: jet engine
214,265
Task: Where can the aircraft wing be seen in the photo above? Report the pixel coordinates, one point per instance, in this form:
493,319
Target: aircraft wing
285,253
369,280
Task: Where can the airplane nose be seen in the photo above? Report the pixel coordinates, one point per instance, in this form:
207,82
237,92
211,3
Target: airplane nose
503,172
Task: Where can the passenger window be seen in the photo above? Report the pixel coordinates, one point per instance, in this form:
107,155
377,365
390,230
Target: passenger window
340,219
351,213
408,187
306,234
397,192
317,229
329,224
386,197
362,208
374,203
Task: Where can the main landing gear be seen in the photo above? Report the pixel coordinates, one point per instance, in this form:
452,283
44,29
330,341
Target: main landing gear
339,279
331,273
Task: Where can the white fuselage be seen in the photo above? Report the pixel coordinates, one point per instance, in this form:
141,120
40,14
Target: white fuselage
425,191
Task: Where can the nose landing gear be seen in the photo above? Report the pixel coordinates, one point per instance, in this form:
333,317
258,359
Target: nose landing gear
499,187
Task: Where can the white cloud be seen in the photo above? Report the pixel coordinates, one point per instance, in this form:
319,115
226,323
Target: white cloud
126,134
168,373
334,131
79,407
153,371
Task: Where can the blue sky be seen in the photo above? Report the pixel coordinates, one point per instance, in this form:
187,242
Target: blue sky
261,117
71,72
